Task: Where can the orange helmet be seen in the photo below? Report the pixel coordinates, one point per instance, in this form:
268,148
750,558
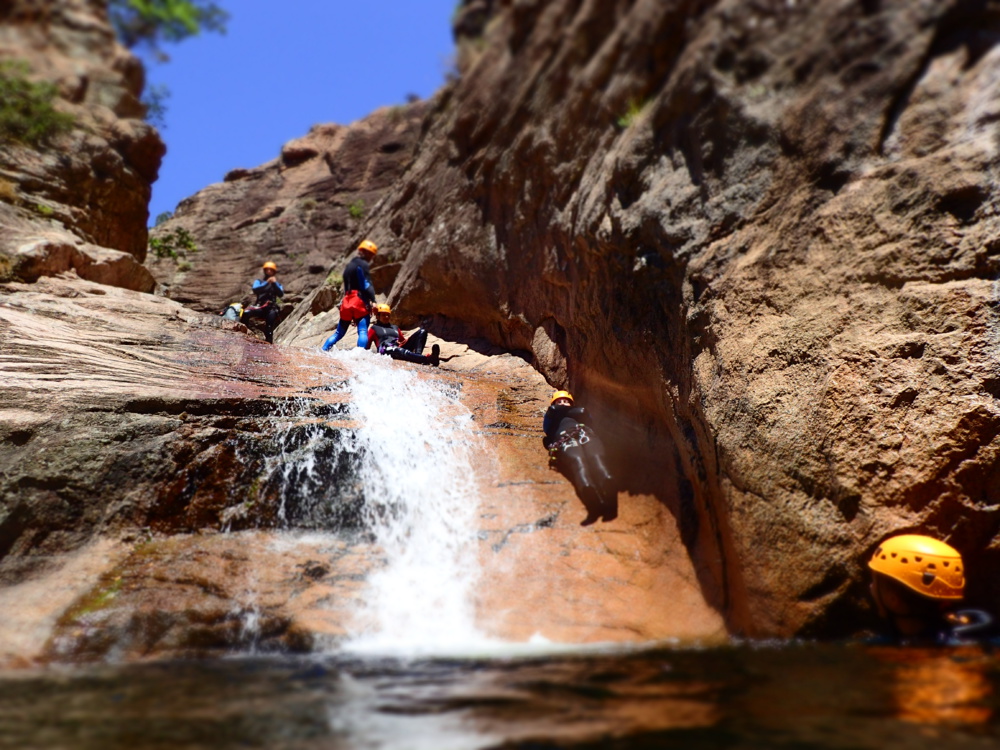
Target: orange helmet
923,564
271,264
561,394
368,246
383,309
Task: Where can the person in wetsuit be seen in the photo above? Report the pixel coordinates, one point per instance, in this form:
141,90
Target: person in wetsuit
359,296
917,584
576,451
267,292
388,339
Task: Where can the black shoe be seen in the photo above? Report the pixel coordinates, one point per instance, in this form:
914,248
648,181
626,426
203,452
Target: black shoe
435,355
592,517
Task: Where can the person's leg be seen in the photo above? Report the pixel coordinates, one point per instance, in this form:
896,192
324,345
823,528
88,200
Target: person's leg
405,355
363,332
416,342
269,321
597,469
258,314
338,335
571,462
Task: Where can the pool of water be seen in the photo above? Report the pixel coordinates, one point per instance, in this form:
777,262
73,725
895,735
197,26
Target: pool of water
745,696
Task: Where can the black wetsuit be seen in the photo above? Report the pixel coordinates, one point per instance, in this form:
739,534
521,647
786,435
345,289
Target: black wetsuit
358,278
578,453
267,293
957,628
388,339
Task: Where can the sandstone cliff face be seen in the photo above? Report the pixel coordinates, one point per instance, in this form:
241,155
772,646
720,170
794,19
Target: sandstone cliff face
303,210
78,203
760,239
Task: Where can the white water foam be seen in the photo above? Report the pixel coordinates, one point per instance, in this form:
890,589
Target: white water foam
415,444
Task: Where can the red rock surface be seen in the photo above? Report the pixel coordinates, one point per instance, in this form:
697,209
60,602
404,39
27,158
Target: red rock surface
145,446
760,238
756,238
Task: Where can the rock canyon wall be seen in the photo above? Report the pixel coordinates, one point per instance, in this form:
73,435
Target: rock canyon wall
757,238
80,203
760,238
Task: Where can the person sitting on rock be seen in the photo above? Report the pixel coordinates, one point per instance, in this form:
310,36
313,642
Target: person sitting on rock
576,451
268,292
359,296
917,584
233,311
388,339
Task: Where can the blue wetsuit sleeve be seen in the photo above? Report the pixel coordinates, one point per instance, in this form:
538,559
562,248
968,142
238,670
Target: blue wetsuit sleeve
365,286
258,284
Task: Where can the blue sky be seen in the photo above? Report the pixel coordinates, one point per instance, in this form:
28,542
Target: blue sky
283,67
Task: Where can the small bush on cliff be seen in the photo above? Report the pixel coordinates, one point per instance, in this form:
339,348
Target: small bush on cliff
357,210
27,114
635,109
176,244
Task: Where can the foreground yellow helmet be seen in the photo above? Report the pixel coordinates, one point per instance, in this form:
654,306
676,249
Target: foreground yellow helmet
561,394
368,246
923,564
271,264
383,308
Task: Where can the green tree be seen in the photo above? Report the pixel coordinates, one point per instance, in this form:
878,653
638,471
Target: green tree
152,22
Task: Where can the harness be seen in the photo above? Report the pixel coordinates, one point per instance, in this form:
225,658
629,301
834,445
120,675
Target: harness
568,439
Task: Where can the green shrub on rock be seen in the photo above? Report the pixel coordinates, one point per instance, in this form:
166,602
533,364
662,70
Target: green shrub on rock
27,114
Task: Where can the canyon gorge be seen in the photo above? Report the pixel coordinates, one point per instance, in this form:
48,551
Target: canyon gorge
757,238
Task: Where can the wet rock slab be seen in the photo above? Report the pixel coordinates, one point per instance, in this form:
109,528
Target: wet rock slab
151,509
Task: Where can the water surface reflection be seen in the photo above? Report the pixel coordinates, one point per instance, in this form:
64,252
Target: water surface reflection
787,696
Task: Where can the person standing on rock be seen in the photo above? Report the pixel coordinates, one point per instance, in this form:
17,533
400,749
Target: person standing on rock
359,296
388,339
917,584
267,292
576,451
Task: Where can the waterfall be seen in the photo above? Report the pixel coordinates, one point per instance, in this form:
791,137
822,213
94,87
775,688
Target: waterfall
414,449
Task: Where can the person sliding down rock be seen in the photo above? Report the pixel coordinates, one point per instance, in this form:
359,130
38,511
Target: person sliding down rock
576,451
388,339
918,583
267,291
359,296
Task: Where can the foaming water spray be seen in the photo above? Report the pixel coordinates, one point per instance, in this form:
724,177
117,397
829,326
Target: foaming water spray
414,447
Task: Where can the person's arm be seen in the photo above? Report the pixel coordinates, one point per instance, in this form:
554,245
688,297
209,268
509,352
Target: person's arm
257,284
548,425
281,289
367,289
372,338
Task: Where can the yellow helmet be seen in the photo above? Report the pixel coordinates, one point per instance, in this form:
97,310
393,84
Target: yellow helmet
383,308
271,264
923,564
561,394
368,246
